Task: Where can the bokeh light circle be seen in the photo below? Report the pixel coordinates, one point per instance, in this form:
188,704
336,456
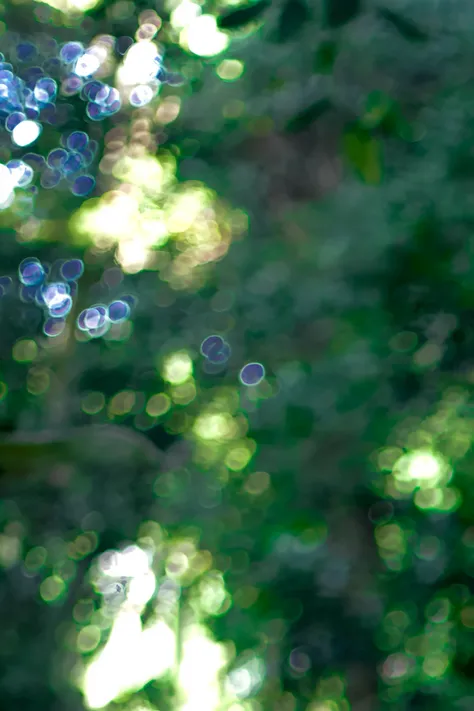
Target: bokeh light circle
83,185
72,269
31,272
118,311
54,327
252,374
26,133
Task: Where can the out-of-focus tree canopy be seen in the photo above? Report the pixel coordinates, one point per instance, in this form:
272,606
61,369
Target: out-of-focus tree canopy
188,188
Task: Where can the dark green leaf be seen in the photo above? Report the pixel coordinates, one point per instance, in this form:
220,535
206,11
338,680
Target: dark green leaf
378,106
238,18
406,27
300,421
364,153
306,117
294,14
338,12
325,57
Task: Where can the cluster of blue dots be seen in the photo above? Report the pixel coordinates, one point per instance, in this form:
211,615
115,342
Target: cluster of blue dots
217,352
68,163
102,100
24,99
30,97
55,297
96,320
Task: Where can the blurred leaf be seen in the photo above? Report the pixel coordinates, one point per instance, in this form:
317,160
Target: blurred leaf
300,421
339,12
306,117
18,456
294,14
406,27
238,18
98,443
377,108
325,57
364,153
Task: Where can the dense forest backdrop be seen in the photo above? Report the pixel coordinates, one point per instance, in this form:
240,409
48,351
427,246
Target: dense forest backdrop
236,355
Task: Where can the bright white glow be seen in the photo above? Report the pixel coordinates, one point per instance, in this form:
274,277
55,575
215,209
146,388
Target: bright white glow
129,563
112,219
132,256
54,295
177,368
419,466
199,671
7,185
22,174
240,681
184,14
141,589
126,576
26,132
131,658
203,37
86,65
141,95
146,173
72,6
134,561
140,64
423,466
244,681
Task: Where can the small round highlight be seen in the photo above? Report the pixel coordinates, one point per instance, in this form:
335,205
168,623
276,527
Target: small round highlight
45,90
118,311
26,51
62,309
31,272
71,51
86,65
22,173
100,331
54,294
92,318
72,164
35,161
56,158
50,179
72,269
14,119
141,95
220,356
77,140
26,132
216,350
71,85
210,343
54,327
83,185
252,374
129,299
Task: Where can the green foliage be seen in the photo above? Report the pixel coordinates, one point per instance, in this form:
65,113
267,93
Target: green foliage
235,19
308,116
364,153
321,524
294,15
339,12
325,56
408,29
